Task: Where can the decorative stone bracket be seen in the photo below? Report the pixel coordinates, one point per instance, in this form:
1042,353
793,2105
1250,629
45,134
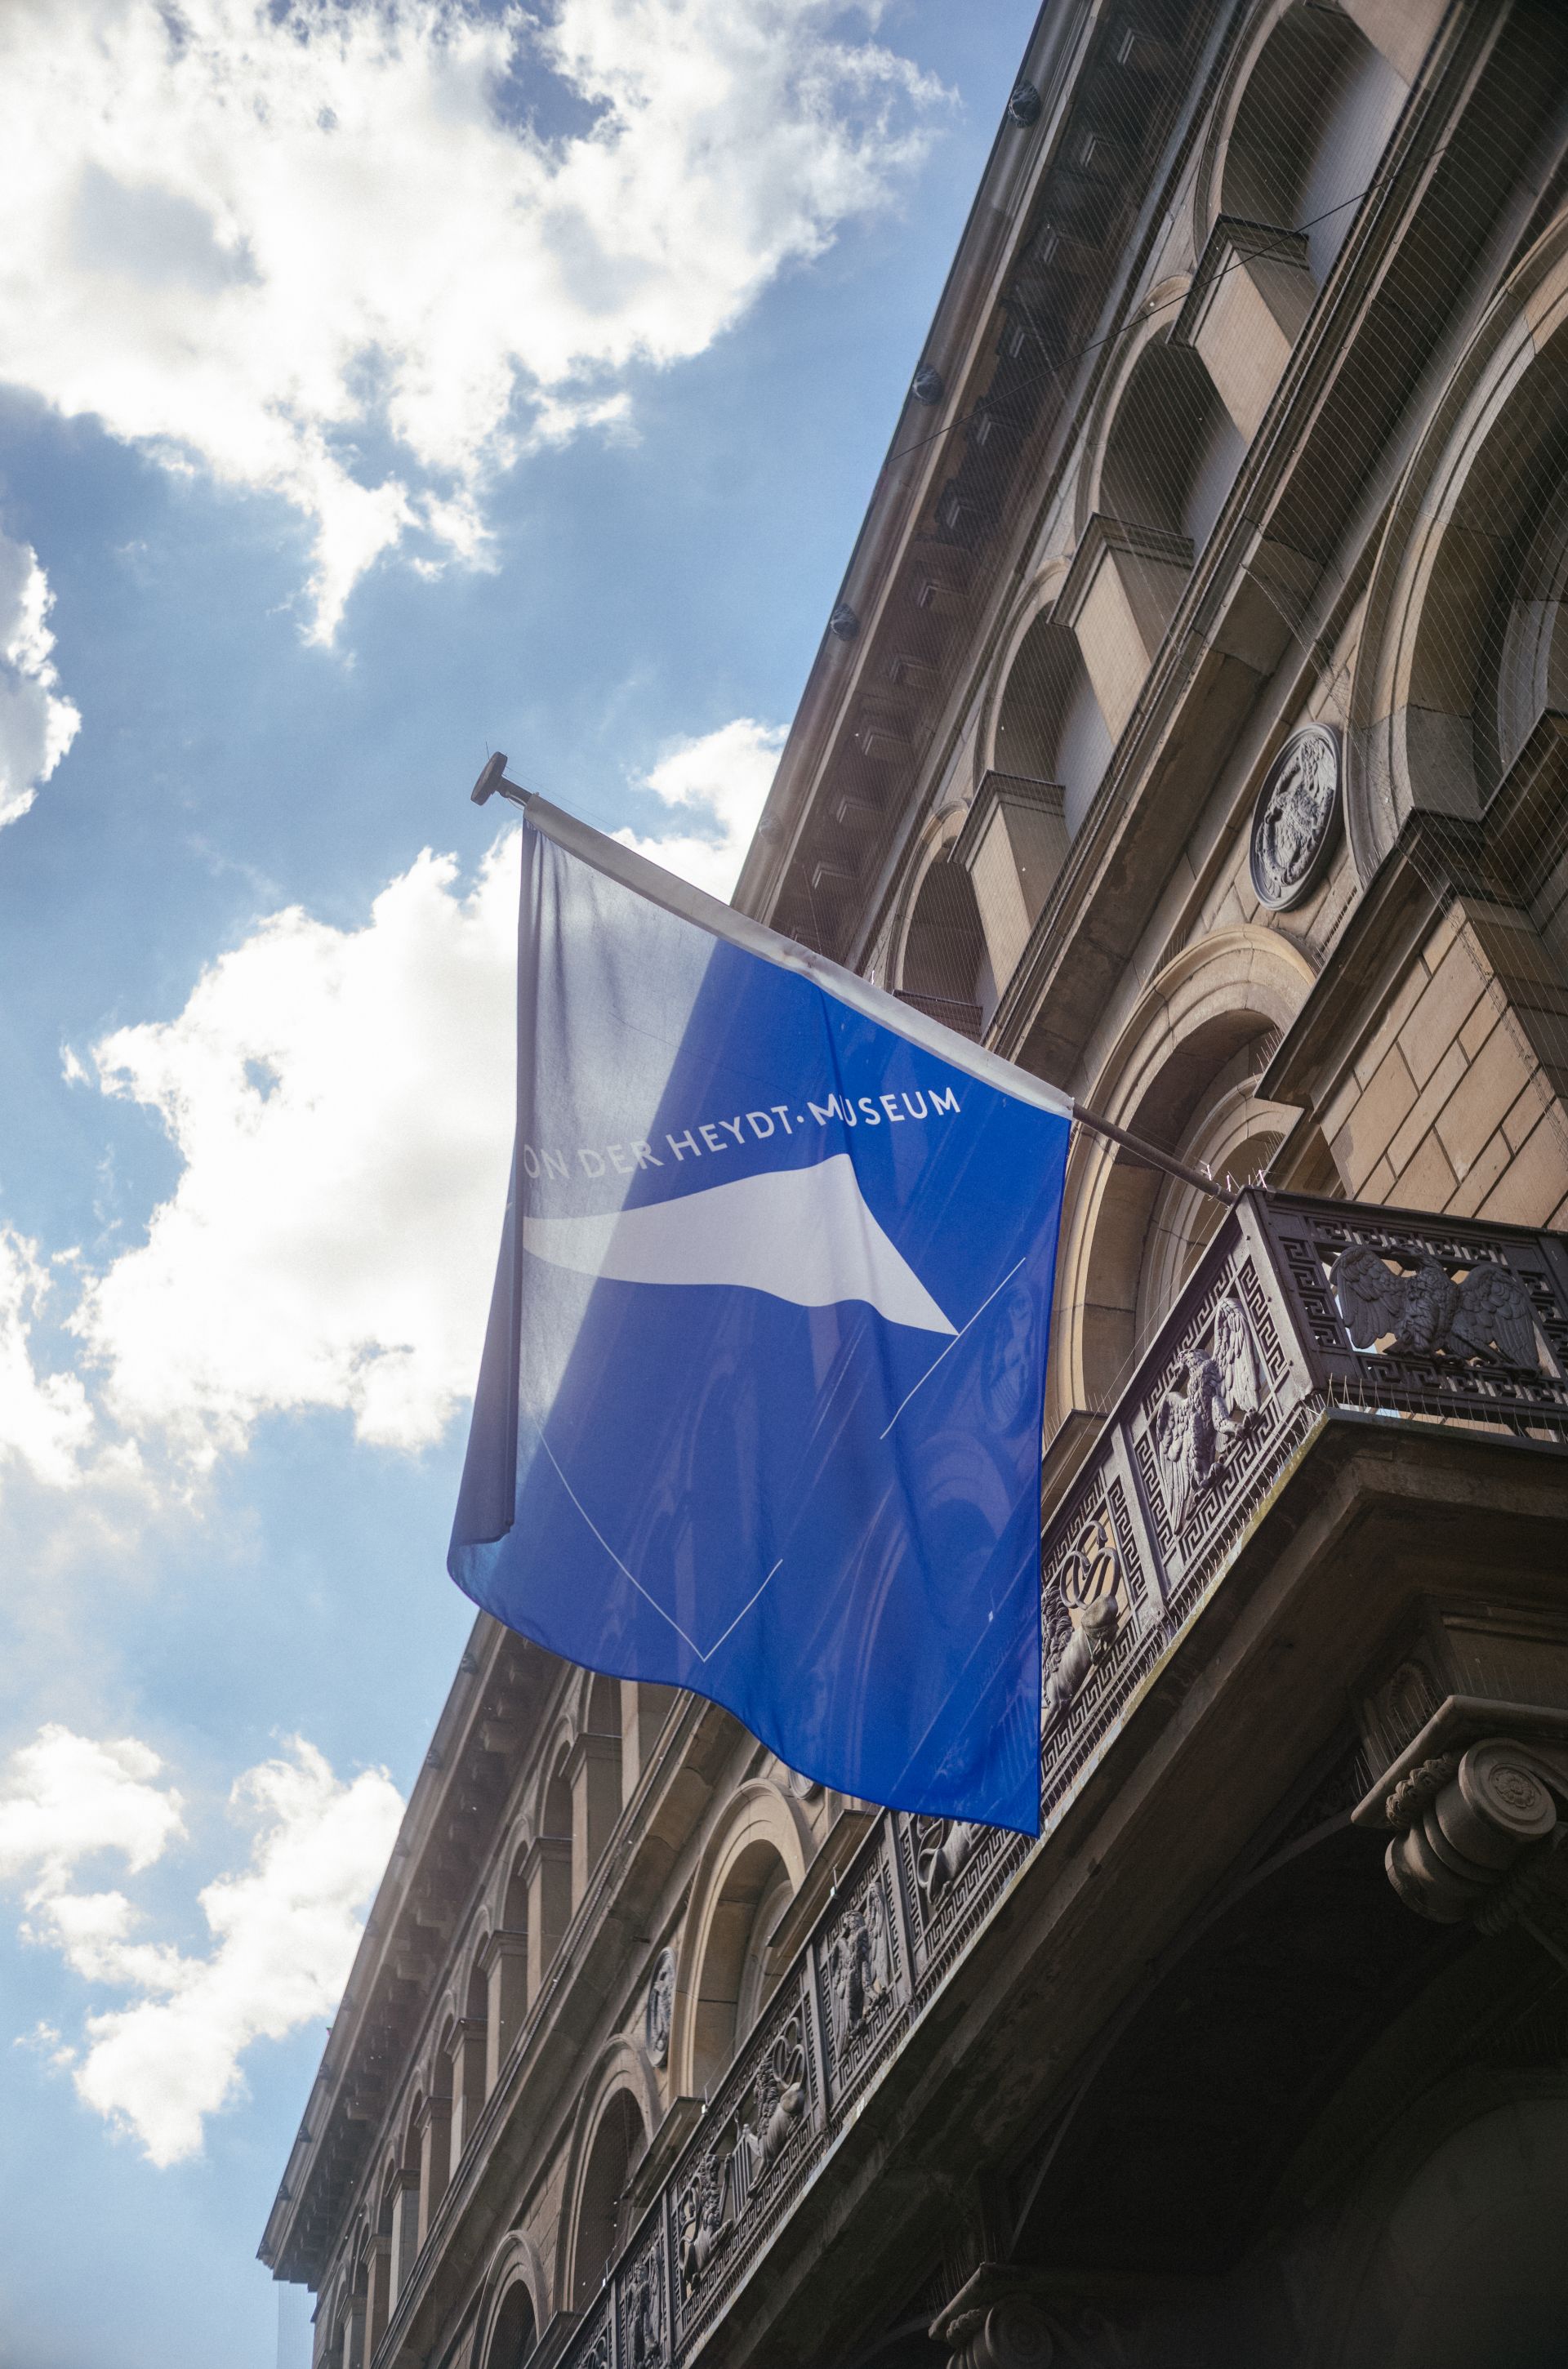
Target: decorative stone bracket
1472,1819
1007,2317
994,2323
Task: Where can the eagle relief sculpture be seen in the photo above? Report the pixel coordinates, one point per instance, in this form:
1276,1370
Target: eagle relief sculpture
1421,1310
1201,1419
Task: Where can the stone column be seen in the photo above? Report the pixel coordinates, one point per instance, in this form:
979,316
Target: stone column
593,1772
435,2159
467,2082
378,2293
1012,846
503,1962
354,2354
1247,306
404,2232
547,1872
1117,597
644,1709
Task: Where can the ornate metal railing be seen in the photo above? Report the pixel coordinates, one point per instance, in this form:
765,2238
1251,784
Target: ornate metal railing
1299,1312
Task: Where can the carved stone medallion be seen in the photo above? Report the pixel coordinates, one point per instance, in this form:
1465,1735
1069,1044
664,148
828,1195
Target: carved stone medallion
659,2008
1295,817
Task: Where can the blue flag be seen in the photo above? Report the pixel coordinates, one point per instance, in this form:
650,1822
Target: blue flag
761,1404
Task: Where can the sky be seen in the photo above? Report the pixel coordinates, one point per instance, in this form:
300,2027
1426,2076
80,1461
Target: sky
380,384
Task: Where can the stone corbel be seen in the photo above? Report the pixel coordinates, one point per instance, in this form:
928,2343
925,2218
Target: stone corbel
1248,304
1012,846
1007,2316
994,2323
1118,597
1475,1807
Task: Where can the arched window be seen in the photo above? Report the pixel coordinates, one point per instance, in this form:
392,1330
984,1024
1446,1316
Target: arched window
595,1769
945,971
1313,120
604,2210
736,1975
552,1902
1183,1076
557,1819
402,2204
514,2335
1173,448
1049,726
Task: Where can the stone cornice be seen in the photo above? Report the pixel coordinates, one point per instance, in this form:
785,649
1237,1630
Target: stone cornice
901,537
535,2085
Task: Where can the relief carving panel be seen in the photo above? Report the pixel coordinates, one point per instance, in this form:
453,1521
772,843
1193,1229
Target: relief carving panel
758,2124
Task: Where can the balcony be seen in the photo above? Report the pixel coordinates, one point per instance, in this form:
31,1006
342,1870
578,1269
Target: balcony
1309,1329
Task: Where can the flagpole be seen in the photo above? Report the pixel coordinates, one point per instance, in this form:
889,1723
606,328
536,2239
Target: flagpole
493,782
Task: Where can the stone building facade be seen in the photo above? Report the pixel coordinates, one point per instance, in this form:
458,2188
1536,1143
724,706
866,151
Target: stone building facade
1194,726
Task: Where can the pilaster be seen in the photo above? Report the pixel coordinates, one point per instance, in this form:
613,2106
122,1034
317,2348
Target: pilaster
503,1962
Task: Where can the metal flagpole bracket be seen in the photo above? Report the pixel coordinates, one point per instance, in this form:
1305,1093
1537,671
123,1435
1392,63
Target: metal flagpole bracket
678,896
1152,1154
493,782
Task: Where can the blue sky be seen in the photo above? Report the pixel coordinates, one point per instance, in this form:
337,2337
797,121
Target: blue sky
627,359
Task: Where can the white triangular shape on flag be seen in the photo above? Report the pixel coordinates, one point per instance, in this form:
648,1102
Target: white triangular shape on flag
802,1234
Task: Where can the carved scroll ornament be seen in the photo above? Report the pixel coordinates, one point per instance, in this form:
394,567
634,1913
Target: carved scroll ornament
1465,1819
943,1848
1082,1614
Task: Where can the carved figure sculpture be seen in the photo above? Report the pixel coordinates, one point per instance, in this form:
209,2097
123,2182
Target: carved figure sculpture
1426,1311
702,2223
860,1964
1197,1426
644,2318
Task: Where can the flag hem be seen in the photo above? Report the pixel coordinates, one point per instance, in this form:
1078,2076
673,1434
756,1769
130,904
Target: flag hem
676,896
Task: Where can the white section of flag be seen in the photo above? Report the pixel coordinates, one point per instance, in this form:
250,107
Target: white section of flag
802,1234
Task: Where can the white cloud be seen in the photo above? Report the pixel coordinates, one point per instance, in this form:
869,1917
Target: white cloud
37,725
342,1101
284,1929
338,253
45,1420
65,1797
717,786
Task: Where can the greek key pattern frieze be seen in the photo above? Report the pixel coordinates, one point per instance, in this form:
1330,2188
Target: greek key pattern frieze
593,2346
862,1974
642,2293
952,1870
734,2184
1300,1314
1429,1318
